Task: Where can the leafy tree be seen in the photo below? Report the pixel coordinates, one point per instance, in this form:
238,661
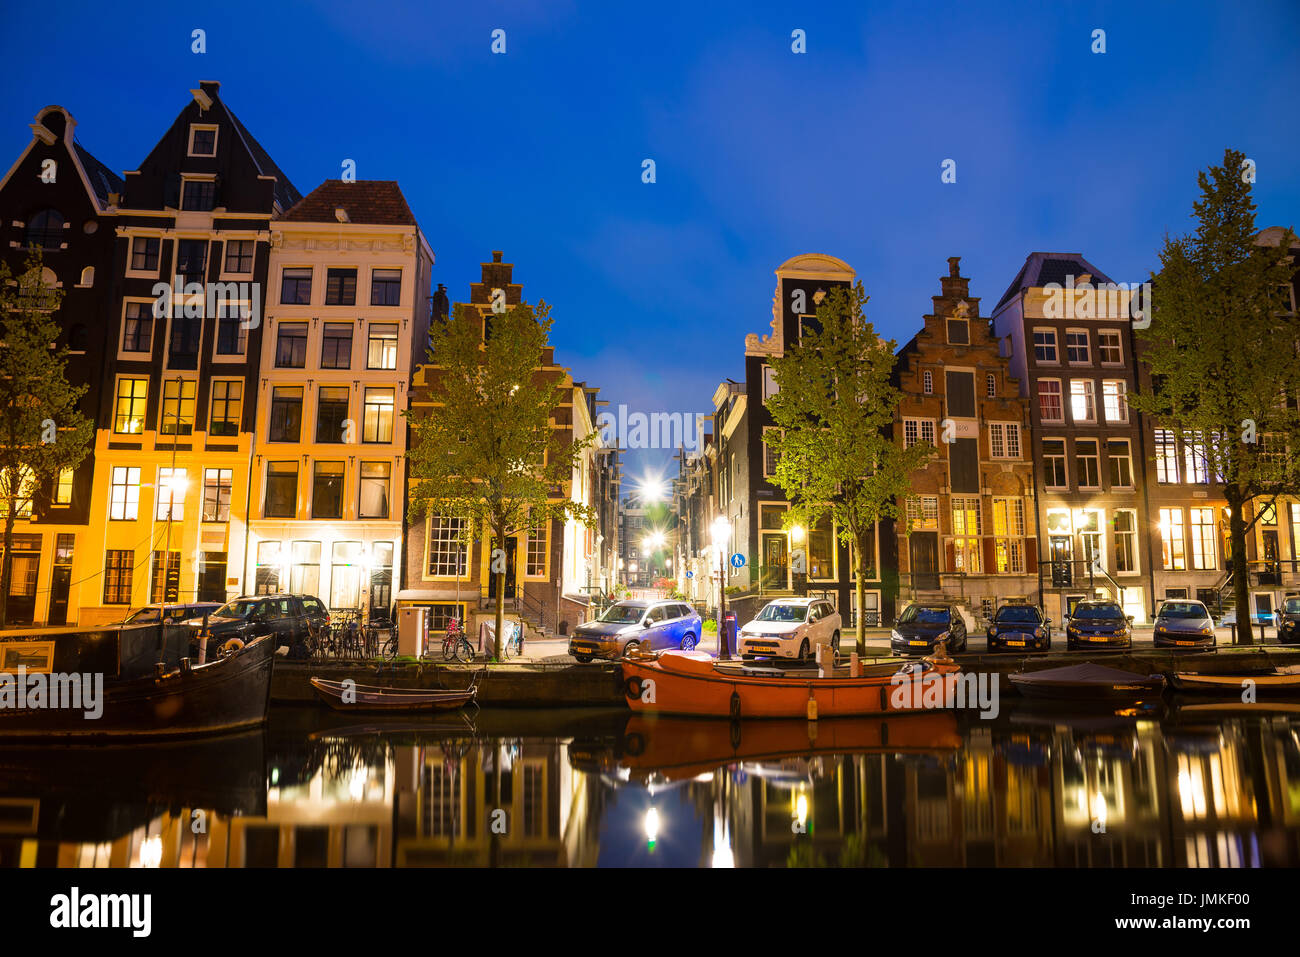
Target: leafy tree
43,431
486,450
1222,348
835,407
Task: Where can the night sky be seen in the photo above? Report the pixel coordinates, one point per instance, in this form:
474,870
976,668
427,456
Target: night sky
761,153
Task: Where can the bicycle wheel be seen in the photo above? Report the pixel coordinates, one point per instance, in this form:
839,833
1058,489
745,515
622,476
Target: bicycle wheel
464,650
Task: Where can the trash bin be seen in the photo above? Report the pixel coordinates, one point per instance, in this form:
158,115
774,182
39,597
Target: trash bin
729,629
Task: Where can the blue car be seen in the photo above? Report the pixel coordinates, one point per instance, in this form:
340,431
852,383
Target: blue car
636,625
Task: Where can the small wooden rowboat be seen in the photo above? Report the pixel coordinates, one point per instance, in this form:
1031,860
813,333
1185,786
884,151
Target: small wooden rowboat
349,696
1280,681
691,683
1087,682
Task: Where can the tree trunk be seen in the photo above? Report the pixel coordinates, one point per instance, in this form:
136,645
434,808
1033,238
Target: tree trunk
1240,571
499,589
860,591
7,564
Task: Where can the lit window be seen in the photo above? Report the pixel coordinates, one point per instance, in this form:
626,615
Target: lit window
124,498
128,413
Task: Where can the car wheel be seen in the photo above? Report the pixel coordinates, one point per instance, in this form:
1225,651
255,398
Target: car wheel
803,650
630,648
688,643
582,659
835,643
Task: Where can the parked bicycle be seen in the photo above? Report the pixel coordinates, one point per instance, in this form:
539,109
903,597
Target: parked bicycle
455,643
513,644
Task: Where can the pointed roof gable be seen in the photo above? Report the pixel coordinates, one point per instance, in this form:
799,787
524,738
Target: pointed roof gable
1040,269
373,202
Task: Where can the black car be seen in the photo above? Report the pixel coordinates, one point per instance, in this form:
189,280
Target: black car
1019,627
286,616
1289,632
922,624
1098,624
1183,624
176,613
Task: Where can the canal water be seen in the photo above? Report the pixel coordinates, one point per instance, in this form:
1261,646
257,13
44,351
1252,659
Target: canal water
1195,786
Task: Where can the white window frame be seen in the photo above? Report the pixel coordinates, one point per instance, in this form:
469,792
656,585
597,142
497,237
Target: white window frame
1089,393
1060,395
1102,336
1120,400
922,427
1056,346
1004,435
1087,348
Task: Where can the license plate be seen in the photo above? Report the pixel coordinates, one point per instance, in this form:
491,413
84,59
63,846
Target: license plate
1101,638
1187,643
1016,644
919,644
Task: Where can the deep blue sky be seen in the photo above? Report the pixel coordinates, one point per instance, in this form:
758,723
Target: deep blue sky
761,154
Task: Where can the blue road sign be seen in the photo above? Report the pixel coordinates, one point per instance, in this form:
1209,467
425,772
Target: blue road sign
737,560
690,574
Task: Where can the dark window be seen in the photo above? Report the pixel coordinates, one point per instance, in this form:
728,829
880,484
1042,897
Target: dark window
327,490
960,388
239,255
295,286
331,413
118,565
184,350
144,253
281,490
964,464
203,142
212,577
44,230
291,345
336,348
172,577
198,194
386,287
137,333
191,257
232,336
959,332
286,414
340,287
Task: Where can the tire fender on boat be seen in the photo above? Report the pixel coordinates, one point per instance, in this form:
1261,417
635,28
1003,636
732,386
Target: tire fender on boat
735,704
232,645
632,687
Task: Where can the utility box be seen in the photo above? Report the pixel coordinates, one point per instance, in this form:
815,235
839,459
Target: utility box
729,629
412,631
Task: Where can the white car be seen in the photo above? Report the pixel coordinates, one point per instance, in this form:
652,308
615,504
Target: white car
790,628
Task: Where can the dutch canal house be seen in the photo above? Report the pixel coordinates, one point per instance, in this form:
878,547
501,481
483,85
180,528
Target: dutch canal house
1071,350
556,573
60,201
753,506
971,531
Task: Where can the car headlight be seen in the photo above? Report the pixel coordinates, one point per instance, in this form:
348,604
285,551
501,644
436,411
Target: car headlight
993,631
1040,632
895,636
1207,631
1161,628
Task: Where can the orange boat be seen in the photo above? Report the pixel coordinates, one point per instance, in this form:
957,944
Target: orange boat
693,683
678,750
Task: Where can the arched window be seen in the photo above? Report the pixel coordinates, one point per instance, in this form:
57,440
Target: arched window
45,230
88,276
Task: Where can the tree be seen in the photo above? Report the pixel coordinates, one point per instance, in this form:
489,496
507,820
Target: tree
43,429
835,410
486,451
1222,347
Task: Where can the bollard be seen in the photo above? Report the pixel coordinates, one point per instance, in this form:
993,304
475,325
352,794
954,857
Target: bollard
855,666
812,705
203,640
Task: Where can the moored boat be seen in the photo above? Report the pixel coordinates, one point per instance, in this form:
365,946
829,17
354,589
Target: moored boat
231,692
350,696
1087,682
1285,681
692,683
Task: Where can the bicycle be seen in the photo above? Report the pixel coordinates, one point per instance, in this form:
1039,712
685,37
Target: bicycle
320,640
455,643
513,645
381,647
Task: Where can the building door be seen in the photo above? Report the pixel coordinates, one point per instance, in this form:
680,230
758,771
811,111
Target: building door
511,546
1062,558
923,548
60,579
1271,573
775,562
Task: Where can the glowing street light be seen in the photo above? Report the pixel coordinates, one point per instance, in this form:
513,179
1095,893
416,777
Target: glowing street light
721,531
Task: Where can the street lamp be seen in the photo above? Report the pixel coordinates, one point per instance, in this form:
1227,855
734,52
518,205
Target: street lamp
721,531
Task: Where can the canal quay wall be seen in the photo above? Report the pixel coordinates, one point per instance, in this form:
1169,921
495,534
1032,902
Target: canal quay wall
601,685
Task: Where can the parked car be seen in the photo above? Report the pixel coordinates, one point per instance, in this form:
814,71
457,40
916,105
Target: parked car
790,628
1181,623
287,616
1098,623
1289,632
923,623
176,613
630,625
1019,626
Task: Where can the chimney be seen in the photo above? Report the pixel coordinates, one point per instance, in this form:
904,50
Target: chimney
496,255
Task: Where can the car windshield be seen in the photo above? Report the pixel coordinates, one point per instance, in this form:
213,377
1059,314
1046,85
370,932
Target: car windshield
1292,606
924,615
1105,612
1182,609
626,614
237,609
779,612
143,615
1020,614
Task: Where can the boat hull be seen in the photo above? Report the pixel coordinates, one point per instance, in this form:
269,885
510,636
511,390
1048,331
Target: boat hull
1083,691
1234,684
224,695
705,692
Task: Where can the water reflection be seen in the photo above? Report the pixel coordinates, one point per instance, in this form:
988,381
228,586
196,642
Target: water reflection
1184,787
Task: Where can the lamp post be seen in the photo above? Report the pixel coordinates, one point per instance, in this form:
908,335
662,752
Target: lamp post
721,531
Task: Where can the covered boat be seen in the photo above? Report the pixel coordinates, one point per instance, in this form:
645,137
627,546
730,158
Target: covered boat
1279,681
350,696
693,683
1087,682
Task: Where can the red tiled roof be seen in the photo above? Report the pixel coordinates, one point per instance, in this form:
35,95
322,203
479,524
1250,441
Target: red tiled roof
376,202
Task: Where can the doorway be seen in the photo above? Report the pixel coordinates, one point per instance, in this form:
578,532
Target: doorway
923,549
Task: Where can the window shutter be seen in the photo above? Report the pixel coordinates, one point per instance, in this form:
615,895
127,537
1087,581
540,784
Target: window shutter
1031,556
990,556
950,556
